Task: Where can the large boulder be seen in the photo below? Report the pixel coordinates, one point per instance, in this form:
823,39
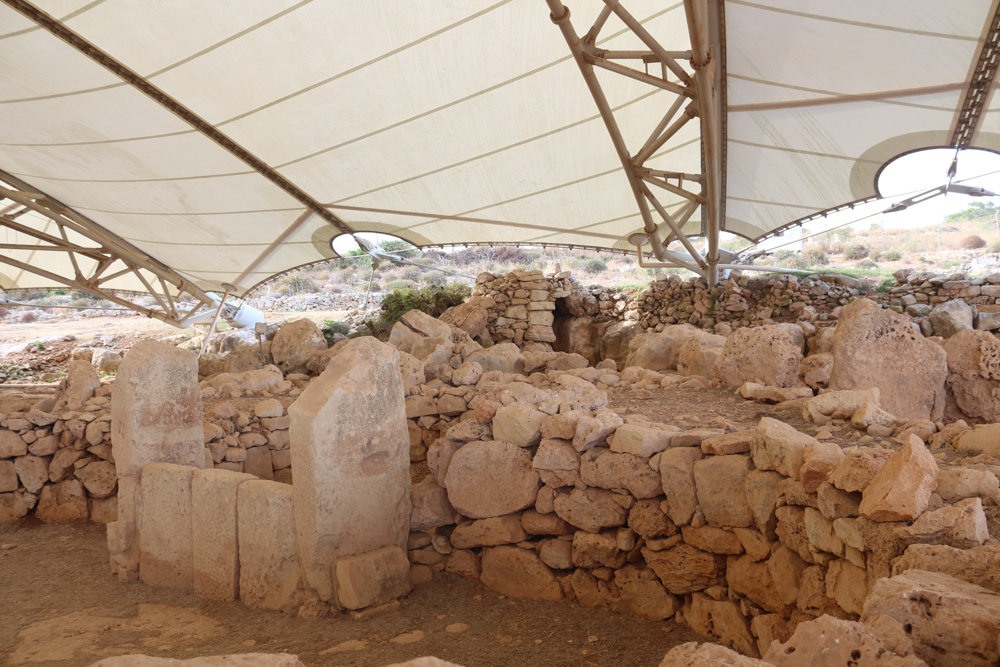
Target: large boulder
580,335
79,386
659,351
616,340
471,316
295,344
880,348
766,355
901,489
697,356
504,357
831,642
974,374
951,317
487,479
949,621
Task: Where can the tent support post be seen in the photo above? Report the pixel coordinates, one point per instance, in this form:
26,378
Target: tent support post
587,57
704,67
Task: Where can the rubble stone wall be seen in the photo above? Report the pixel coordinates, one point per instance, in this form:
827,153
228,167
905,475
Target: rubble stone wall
920,294
58,462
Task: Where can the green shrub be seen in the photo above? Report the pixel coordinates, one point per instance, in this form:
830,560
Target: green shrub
787,259
995,247
816,257
892,256
591,265
431,300
400,284
858,251
866,264
331,328
292,283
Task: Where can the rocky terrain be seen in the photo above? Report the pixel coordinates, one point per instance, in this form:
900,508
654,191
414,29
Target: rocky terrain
806,486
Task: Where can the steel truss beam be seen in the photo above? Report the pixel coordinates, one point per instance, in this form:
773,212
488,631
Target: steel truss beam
93,243
697,88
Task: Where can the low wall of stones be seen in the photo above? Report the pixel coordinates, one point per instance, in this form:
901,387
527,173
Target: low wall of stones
55,455
539,312
934,301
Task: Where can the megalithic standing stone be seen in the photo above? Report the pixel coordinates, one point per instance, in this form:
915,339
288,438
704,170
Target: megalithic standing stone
156,417
350,453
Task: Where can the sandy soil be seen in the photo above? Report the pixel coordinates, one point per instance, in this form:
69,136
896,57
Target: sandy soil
60,605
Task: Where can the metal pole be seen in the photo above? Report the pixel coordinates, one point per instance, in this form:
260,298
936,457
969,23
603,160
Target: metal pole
701,60
560,16
215,320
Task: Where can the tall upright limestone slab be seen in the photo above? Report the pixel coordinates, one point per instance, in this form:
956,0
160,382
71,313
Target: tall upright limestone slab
215,534
350,452
270,577
156,417
880,348
165,526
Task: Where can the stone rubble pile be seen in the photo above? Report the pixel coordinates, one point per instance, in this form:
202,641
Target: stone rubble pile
767,539
943,304
740,301
274,301
55,453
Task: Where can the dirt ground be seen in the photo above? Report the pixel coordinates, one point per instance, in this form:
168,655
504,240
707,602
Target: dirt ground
60,606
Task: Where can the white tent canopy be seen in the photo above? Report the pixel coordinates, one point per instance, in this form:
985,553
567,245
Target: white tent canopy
224,142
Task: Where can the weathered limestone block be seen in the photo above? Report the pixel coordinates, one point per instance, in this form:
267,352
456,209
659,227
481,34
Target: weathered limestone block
762,489
677,479
429,505
350,453
590,509
961,525
832,642
270,577
685,569
956,484
950,622
489,532
79,386
616,340
15,505
165,528
156,409
720,481
557,463
901,490
722,621
519,573
156,417
503,357
974,374
295,344
372,578
518,424
214,537
492,478
99,477
65,502
640,439
658,351
616,471
879,348
693,654
766,355
979,565
780,447
858,468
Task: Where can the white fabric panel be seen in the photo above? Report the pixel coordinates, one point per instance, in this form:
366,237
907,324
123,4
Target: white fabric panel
786,160
467,108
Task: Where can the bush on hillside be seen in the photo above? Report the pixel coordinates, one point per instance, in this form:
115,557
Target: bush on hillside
816,257
892,256
972,242
858,251
431,300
